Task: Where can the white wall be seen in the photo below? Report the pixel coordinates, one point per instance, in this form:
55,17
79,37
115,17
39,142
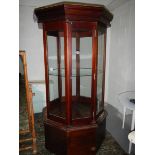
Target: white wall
121,70
30,40
122,53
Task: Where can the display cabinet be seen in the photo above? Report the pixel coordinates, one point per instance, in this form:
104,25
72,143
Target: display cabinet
74,37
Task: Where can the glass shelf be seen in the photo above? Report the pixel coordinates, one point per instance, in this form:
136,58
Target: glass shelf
83,72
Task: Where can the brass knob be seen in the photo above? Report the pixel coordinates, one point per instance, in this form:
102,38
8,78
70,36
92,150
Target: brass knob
93,148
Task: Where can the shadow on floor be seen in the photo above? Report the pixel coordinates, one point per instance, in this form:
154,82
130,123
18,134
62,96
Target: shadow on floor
114,126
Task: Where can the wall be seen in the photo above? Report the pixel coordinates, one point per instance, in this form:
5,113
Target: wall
121,71
30,40
122,53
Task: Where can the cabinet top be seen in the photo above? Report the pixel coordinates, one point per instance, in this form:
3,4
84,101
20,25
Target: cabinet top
73,11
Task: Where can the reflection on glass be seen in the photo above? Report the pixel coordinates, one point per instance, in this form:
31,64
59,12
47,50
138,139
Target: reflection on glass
100,104
81,74
55,45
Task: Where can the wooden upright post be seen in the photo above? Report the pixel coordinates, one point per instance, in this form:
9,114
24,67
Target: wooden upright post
46,67
94,70
68,70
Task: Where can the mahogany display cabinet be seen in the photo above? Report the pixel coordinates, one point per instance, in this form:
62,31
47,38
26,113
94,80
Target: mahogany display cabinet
74,38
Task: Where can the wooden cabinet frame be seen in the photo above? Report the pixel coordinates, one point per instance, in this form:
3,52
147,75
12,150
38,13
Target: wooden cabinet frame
68,20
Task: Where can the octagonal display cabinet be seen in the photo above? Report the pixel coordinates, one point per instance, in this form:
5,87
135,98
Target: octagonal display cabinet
74,38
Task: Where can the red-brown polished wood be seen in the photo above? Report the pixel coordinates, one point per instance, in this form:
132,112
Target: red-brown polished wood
73,11
68,70
46,66
70,121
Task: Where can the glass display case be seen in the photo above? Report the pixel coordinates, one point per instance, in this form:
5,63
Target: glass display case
74,36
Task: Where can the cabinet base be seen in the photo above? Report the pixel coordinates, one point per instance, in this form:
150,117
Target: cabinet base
74,140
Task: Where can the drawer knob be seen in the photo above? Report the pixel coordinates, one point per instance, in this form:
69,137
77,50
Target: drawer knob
93,148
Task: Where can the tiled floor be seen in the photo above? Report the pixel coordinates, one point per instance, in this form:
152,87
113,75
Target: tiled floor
108,147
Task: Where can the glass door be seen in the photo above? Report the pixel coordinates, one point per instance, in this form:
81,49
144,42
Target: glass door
82,44
56,74
101,70
81,74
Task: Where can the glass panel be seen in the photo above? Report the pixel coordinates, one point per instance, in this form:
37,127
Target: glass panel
56,73
86,64
100,104
81,74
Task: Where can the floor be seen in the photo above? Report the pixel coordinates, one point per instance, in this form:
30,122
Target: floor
108,147
114,126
